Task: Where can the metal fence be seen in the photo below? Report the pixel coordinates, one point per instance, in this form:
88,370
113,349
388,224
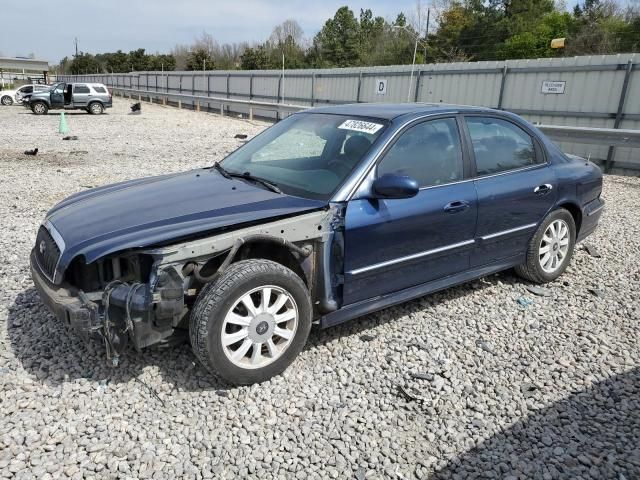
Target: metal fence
593,91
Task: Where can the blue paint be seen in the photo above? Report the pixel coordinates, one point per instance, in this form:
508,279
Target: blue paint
153,210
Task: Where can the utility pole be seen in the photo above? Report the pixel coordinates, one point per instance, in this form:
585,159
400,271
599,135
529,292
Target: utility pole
76,42
426,35
282,76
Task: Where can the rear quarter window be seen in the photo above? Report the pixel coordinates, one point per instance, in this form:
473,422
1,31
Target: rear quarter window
99,89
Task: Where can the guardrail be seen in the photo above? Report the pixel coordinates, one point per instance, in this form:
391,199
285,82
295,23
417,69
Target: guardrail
593,136
586,135
200,101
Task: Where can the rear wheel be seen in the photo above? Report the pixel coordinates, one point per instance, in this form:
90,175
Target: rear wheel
550,249
251,323
39,108
96,108
6,100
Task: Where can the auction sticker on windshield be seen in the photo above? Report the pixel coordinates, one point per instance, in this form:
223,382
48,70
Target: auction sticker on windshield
360,126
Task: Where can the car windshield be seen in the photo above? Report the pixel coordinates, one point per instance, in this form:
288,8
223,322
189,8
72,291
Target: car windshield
308,154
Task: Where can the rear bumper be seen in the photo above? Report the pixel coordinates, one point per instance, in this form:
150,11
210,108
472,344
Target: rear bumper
66,304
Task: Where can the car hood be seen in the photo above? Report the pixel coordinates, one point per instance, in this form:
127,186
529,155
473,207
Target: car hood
155,210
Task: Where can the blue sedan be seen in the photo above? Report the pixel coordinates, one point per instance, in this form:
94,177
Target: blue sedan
328,215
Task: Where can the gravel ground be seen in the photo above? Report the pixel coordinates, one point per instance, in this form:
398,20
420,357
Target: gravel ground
466,383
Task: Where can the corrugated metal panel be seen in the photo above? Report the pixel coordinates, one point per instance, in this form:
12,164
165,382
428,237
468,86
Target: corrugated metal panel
593,85
28,64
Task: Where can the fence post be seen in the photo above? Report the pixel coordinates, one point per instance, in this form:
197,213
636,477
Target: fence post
417,94
180,84
359,86
193,90
611,154
251,86
227,87
505,71
313,89
278,96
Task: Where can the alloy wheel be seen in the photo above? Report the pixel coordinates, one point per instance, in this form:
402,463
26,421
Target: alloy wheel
259,327
554,246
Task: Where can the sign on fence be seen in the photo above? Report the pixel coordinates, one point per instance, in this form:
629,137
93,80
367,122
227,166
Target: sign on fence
381,86
549,86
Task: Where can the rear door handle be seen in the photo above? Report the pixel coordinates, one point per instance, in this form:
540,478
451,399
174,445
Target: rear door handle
543,189
457,206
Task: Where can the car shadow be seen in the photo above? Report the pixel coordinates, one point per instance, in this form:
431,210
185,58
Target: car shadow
360,326
592,434
55,354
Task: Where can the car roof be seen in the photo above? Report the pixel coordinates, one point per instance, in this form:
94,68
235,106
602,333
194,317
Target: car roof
389,111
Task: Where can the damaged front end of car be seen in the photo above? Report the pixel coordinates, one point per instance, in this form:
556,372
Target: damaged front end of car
143,297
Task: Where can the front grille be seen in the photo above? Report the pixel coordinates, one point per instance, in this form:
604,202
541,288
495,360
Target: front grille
47,253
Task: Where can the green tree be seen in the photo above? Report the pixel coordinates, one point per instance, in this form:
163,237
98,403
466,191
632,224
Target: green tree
200,59
160,62
84,63
255,59
338,43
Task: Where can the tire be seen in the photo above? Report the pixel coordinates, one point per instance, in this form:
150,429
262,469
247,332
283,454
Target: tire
6,100
95,108
220,314
39,108
539,268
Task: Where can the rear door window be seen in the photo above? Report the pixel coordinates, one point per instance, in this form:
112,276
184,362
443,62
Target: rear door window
78,88
499,145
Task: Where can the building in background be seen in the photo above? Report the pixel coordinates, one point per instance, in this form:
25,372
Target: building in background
23,70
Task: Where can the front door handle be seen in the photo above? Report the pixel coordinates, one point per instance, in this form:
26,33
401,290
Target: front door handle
457,206
543,189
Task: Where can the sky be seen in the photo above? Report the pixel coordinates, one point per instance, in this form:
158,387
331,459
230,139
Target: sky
48,28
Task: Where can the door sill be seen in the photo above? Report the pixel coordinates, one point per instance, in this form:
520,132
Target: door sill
374,304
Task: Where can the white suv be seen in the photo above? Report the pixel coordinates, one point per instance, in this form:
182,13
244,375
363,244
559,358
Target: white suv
8,97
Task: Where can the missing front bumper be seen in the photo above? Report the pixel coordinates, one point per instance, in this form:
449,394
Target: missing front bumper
67,305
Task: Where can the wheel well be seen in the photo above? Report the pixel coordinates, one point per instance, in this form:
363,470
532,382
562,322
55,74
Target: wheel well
261,250
276,253
575,212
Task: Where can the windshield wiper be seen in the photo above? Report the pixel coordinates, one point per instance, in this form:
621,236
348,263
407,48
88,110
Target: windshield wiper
221,169
227,174
271,186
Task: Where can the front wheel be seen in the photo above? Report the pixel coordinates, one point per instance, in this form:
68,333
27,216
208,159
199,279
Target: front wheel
6,100
39,108
251,323
550,249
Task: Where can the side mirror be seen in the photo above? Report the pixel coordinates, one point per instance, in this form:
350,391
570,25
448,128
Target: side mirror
395,186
